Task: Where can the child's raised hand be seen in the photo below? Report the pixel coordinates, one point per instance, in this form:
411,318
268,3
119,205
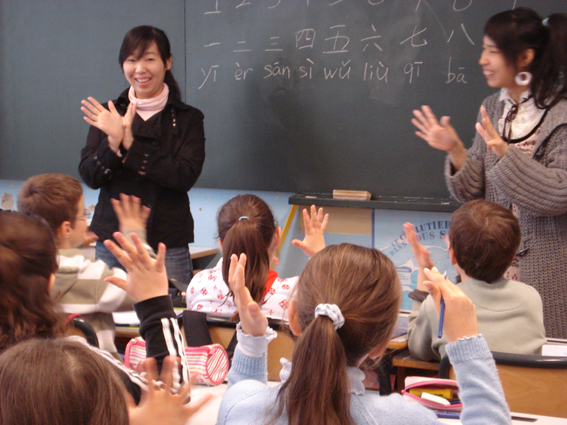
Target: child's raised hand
108,120
315,226
460,313
158,404
131,214
147,277
252,319
493,141
422,256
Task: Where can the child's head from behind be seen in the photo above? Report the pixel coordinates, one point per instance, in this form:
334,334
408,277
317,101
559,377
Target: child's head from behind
364,285
246,225
27,263
59,382
58,199
484,237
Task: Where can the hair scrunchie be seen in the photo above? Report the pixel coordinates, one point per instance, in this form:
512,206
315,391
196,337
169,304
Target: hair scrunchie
545,22
243,218
333,312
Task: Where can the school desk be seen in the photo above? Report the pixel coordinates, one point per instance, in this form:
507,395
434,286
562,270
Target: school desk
209,413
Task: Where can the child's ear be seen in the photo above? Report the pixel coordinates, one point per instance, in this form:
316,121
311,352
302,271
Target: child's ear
376,352
51,282
452,256
277,239
64,230
292,317
220,244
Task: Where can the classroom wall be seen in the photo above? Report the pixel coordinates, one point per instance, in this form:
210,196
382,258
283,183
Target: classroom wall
386,236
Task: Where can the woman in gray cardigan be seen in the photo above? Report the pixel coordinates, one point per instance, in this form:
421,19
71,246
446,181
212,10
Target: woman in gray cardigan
519,154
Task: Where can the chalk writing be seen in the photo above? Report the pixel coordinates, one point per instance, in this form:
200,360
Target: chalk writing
459,77
412,69
380,70
340,41
415,34
305,38
240,74
373,38
207,74
277,70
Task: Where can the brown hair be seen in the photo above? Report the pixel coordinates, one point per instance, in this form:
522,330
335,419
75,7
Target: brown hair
364,284
28,258
484,237
517,30
59,382
246,225
53,197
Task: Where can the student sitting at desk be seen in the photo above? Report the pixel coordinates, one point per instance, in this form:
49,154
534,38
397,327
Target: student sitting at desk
28,263
484,237
246,225
345,309
79,282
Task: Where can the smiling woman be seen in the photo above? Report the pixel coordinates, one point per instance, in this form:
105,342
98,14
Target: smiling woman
519,155
149,144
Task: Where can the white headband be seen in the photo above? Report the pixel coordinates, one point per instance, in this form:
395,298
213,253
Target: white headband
333,312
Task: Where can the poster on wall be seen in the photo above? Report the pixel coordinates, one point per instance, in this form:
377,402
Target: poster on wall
432,230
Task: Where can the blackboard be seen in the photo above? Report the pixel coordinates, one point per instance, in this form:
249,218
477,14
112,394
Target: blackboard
289,105
316,95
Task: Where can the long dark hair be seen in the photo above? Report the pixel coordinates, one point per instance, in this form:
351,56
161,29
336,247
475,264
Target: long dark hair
519,29
138,39
364,284
246,225
27,260
45,382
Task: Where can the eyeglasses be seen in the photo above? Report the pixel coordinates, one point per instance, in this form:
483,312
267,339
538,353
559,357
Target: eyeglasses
83,217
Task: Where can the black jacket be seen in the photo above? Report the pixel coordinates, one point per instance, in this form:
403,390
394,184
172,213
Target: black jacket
163,163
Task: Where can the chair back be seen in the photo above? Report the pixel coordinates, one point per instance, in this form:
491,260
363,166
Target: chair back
76,325
532,384
221,331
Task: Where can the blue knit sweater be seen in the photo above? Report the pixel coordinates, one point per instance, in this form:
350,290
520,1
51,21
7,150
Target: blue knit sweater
249,400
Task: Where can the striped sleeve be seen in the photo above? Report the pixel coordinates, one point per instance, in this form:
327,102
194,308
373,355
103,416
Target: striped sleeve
160,329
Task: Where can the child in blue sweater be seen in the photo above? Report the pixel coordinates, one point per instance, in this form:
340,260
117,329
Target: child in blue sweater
344,310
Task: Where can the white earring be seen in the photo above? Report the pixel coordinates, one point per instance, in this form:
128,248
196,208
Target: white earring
523,78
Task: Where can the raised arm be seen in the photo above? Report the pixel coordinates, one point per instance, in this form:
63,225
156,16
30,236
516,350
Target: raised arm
315,225
147,284
439,135
480,389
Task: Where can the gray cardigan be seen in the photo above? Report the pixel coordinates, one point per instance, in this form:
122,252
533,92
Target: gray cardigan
538,186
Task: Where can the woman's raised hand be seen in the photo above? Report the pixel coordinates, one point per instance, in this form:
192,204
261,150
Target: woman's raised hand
252,319
108,120
439,135
493,141
315,226
460,313
127,125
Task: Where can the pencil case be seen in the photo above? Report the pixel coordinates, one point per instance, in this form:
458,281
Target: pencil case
208,364
436,386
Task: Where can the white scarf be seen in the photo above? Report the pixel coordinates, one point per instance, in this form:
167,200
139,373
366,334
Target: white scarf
147,108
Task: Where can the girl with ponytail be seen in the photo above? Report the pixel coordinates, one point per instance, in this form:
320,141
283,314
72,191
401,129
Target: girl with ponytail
344,310
246,225
519,155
